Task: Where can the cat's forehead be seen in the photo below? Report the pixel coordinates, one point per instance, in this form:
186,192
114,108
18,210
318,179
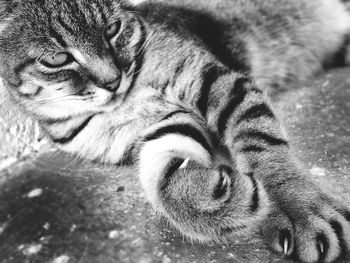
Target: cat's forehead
75,12
77,22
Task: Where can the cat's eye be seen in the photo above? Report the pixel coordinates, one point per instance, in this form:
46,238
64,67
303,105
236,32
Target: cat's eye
57,60
113,29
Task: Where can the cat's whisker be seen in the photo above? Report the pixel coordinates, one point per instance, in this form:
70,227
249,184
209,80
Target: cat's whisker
45,100
147,41
41,102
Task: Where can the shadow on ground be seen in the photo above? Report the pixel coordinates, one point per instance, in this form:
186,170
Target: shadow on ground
55,208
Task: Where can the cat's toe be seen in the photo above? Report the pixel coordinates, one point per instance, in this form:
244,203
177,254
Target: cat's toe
278,232
316,241
315,235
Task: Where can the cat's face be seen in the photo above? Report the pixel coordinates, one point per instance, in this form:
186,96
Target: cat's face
64,57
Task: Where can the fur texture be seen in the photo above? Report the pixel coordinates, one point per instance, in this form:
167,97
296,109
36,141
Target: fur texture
177,86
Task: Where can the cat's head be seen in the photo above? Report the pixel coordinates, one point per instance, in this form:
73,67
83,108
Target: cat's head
64,57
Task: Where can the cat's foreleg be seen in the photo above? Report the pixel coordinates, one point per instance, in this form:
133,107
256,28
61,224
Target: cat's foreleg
303,222
185,181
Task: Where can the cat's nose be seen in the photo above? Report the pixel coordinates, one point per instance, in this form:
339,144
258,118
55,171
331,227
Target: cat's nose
112,86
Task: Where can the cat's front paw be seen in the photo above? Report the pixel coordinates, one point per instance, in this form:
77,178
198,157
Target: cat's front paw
311,227
206,203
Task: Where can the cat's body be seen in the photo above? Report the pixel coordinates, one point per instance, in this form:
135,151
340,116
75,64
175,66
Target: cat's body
277,42
177,87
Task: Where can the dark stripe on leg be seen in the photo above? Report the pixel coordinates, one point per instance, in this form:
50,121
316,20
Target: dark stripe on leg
239,93
74,133
171,114
255,112
255,196
259,135
183,129
209,76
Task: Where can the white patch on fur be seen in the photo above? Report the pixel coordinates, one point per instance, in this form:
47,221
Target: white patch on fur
335,15
137,2
155,156
5,23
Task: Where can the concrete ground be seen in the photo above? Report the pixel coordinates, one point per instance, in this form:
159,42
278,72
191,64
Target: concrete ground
54,208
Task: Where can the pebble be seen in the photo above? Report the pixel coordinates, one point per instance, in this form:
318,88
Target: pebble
121,189
31,249
114,234
138,243
146,259
299,106
318,171
325,84
35,193
166,259
2,229
46,226
73,228
61,259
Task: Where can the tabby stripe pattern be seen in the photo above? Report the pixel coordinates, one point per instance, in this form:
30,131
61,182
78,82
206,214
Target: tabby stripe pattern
58,37
255,112
255,195
237,96
170,115
74,133
240,114
209,76
64,25
260,136
183,129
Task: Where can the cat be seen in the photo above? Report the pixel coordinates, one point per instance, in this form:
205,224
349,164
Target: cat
179,87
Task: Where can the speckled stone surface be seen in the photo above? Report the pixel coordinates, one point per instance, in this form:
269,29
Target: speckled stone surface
54,208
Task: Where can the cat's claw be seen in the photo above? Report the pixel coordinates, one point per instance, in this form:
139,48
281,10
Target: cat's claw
321,235
321,247
285,246
184,164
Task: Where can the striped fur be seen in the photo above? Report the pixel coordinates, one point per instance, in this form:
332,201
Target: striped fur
179,88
